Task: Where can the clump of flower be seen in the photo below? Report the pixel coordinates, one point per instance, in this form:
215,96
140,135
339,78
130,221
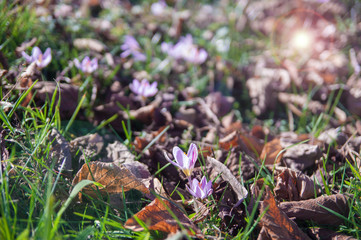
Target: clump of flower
158,8
87,66
144,88
41,60
200,189
131,47
185,49
186,163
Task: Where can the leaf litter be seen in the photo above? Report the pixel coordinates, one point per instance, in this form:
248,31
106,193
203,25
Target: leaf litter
233,153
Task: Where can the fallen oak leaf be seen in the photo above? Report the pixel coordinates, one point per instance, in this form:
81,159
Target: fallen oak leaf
157,216
114,178
315,209
276,223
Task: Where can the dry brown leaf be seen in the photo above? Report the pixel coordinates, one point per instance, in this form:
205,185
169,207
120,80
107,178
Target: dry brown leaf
59,152
271,150
114,178
143,114
293,186
301,156
276,223
219,104
229,141
312,209
252,143
157,217
246,142
258,132
231,127
69,96
140,143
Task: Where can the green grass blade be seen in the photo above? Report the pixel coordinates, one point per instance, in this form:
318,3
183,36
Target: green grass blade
74,114
78,187
20,99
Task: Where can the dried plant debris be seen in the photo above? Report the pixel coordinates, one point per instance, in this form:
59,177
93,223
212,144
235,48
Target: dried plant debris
60,155
239,189
294,185
158,216
275,222
113,178
263,90
319,210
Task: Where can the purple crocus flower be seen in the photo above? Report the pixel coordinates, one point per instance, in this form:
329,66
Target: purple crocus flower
186,50
185,161
87,66
200,189
158,8
131,47
41,60
144,88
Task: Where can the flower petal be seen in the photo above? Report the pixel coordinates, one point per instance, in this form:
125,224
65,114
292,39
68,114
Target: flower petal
36,52
192,154
139,57
27,57
199,192
134,86
179,156
77,63
85,61
208,186
94,64
203,182
190,190
126,53
46,58
47,53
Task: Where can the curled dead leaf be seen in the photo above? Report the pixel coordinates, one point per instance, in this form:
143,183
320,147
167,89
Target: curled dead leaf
293,186
276,223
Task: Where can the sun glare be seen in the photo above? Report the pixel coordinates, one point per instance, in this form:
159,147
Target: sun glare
301,40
